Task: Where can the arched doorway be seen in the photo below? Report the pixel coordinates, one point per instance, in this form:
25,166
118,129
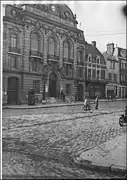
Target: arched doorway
80,92
52,85
12,92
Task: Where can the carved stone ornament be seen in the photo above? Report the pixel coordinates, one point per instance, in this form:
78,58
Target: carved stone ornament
14,13
38,25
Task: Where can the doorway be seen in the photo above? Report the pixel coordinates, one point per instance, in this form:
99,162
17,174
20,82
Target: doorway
80,92
52,85
12,92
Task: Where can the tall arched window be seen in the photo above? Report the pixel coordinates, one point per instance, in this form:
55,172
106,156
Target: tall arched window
71,50
34,42
52,46
66,50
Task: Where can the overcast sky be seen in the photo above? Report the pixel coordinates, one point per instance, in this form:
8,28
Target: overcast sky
100,17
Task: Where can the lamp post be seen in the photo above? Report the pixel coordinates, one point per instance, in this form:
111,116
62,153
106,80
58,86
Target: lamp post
44,78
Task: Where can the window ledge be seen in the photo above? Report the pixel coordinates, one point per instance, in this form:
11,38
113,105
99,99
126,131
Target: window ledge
15,53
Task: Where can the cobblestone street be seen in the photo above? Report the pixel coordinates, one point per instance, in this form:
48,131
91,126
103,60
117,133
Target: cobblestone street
43,142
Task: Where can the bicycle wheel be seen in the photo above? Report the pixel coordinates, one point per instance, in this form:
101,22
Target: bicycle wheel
83,109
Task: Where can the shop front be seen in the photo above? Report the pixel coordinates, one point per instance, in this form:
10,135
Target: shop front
95,89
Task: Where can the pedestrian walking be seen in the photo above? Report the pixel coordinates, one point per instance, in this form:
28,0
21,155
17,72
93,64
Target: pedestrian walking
61,94
96,103
75,97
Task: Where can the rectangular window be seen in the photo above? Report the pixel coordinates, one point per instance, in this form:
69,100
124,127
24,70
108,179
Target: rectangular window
80,72
126,78
115,77
93,74
102,74
98,73
126,66
110,77
14,63
13,41
67,70
85,72
68,89
122,77
89,73
36,86
34,64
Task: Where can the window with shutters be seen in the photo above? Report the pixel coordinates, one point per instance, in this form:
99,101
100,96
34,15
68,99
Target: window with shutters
36,86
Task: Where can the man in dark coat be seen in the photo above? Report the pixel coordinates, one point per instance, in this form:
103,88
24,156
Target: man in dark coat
96,103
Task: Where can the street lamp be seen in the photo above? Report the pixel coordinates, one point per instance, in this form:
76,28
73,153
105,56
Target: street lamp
44,78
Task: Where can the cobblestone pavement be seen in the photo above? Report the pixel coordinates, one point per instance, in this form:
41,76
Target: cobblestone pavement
40,144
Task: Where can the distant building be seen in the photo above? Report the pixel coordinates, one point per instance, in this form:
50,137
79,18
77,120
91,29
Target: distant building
117,75
42,45
95,71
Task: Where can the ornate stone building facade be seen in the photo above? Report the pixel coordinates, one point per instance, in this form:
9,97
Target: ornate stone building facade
42,45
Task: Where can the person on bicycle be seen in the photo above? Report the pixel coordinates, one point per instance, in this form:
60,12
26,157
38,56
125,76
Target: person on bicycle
86,105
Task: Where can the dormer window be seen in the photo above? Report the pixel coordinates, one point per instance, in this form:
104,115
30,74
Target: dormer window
98,60
89,58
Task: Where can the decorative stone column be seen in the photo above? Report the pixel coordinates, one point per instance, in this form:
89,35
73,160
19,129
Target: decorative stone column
61,54
75,60
45,49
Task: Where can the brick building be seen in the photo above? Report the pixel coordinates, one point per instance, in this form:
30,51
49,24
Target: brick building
42,45
116,59
95,71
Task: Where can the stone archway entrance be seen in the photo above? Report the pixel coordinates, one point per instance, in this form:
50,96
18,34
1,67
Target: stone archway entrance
12,91
80,92
52,85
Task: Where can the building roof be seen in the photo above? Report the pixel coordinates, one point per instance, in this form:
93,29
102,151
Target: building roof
60,10
91,49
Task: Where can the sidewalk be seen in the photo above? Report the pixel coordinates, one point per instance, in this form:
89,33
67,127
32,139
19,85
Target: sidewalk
109,156
50,105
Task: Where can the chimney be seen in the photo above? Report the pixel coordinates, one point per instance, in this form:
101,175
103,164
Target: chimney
110,48
93,43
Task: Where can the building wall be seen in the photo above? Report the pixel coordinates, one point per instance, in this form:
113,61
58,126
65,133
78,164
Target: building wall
24,67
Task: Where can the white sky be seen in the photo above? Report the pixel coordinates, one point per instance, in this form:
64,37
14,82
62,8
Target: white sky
98,17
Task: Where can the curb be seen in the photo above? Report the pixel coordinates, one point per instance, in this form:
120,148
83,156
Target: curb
45,106
54,105
114,169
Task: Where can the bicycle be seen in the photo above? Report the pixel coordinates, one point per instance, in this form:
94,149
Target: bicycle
87,108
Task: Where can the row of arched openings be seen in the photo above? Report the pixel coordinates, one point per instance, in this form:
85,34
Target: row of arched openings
53,48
